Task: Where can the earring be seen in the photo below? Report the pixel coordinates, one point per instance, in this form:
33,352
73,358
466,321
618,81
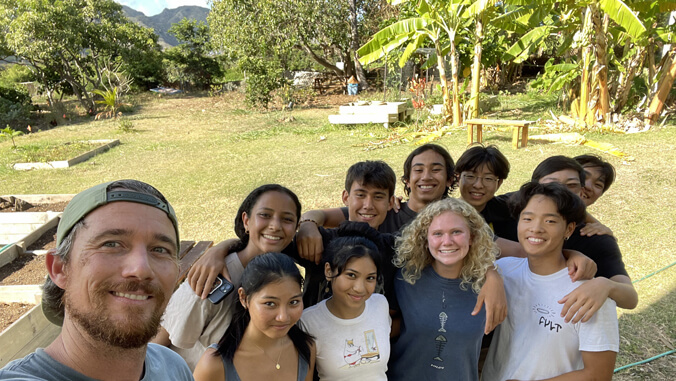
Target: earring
328,287
566,238
246,231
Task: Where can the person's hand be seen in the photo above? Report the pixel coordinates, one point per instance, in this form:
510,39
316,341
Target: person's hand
493,295
595,228
396,205
204,271
583,302
309,242
580,266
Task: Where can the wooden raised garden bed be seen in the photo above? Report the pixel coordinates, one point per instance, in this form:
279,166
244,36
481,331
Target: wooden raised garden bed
105,145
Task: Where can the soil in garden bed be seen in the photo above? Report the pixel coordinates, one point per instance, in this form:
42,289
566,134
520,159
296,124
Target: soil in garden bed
29,268
11,312
54,207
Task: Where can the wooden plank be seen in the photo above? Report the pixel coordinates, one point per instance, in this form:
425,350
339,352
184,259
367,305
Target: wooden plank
191,257
41,198
9,254
29,294
37,233
524,136
26,217
185,248
31,331
388,108
363,119
515,137
500,122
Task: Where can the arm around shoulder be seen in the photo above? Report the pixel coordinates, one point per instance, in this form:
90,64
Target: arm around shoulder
622,291
210,367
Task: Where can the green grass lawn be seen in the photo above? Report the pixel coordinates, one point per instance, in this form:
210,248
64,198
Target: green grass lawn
206,154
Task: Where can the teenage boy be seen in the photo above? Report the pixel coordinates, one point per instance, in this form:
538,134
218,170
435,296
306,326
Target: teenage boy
535,342
110,279
612,280
428,176
599,176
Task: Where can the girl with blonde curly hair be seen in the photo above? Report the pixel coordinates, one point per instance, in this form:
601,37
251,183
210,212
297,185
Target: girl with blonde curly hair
444,256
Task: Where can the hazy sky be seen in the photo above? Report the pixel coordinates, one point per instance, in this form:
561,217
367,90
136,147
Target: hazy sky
153,7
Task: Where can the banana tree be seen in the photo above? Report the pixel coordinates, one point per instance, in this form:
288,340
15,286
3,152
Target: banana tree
437,20
590,38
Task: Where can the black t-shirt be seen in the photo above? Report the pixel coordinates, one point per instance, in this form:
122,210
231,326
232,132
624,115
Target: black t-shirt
394,221
315,285
497,216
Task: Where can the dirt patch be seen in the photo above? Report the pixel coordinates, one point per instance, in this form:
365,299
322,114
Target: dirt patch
9,313
46,241
26,269
7,207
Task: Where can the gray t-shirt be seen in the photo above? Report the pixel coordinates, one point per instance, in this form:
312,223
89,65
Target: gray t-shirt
161,364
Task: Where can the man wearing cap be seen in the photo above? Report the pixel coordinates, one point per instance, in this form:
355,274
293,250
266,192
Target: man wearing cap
110,278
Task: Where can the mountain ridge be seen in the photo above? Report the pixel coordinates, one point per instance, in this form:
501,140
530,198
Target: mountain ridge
161,22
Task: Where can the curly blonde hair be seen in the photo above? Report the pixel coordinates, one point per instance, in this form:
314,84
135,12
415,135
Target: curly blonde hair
412,253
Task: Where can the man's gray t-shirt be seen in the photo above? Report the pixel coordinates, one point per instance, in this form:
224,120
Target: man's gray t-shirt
161,364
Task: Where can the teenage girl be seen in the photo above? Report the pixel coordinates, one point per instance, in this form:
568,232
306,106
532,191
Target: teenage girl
445,255
266,222
352,328
263,341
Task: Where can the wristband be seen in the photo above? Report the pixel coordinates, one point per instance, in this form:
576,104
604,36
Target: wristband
308,220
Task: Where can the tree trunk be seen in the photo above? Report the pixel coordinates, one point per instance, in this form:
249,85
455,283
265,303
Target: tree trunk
622,94
663,88
455,108
354,45
586,58
601,65
476,68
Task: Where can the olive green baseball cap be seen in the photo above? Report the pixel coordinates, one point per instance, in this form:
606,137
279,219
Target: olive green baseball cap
87,201
90,199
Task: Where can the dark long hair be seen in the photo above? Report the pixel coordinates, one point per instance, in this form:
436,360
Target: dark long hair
261,271
247,206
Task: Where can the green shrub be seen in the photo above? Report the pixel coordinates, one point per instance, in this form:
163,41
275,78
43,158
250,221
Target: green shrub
15,106
125,125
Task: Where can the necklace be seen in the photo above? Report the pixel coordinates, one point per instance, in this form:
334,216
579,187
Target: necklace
277,366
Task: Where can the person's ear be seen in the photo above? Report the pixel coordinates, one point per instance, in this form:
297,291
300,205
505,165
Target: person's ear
499,183
345,197
569,230
245,220
242,297
56,268
390,205
327,271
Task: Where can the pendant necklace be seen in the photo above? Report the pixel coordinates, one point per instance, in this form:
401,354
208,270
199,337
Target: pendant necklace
277,366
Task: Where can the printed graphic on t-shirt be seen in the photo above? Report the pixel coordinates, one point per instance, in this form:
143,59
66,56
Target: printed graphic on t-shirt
546,316
359,352
440,341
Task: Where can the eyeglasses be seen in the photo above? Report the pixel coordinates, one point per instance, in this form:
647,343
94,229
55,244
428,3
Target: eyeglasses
485,180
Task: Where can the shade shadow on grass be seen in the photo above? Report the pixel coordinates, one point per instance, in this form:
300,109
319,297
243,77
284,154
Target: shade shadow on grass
646,334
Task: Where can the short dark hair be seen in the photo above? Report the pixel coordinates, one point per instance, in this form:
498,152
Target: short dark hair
607,169
248,204
448,161
478,155
374,173
557,163
568,204
342,249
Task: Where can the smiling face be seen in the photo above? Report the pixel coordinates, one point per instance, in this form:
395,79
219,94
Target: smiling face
353,286
448,240
593,186
272,222
367,203
542,229
568,177
477,187
428,179
120,275
275,308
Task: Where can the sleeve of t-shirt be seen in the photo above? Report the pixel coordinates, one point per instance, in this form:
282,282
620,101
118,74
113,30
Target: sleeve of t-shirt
186,316
601,332
346,212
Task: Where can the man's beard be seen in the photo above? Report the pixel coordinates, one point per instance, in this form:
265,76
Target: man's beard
127,334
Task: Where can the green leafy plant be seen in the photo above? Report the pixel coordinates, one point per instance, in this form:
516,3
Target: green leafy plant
111,102
125,125
11,133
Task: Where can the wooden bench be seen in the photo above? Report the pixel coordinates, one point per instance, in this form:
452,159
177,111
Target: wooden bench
188,253
519,133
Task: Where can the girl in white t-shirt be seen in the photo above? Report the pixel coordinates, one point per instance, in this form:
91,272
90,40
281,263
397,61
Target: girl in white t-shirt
352,328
